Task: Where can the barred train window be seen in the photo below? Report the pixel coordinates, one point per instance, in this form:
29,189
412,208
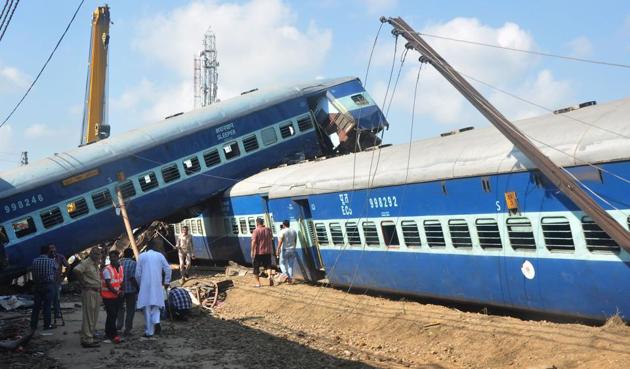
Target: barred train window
77,207
170,173
488,232
390,234
243,225
337,234
596,239
352,231
24,227
211,158
411,235
148,181
322,235
252,224
557,232
287,130
101,199
250,143
193,227
191,165
199,226
435,235
127,189
178,228
234,227
231,150
304,124
460,234
51,217
268,136
370,234
521,234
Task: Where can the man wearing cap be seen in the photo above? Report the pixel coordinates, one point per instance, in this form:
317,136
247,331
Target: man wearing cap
89,276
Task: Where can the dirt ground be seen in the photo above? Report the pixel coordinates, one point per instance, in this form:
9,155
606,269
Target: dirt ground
305,326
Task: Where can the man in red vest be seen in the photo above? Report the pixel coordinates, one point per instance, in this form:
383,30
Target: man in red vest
111,292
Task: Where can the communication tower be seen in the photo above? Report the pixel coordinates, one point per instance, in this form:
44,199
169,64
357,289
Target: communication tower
24,158
206,76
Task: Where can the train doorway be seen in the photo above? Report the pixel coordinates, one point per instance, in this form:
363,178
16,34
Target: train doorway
308,240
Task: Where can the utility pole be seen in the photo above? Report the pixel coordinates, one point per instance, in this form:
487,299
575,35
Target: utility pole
205,72
555,174
24,159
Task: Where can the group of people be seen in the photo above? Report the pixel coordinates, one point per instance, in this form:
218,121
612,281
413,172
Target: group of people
262,250
123,286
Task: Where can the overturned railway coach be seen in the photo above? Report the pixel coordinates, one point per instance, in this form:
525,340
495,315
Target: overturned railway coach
69,199
464,217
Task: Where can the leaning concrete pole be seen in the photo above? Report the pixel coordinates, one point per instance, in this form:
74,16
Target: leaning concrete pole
555,174
123,213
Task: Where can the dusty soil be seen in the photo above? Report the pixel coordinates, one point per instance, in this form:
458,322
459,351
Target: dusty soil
305,326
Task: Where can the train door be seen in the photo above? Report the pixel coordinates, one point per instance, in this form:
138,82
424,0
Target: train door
308,241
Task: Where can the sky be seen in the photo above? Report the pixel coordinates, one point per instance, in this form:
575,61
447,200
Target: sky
266,42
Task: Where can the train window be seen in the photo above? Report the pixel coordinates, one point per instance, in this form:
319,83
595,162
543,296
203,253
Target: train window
51,217
191,166
170,173
177,228
24,227
488,232
211,158
352,231
234,226
101,199
521,234
199,226
252,224
557,232
411,235
193,227
596,239
390,234
127,189
287,130
460,234
250,143
485,184
434,232
370,234
77,208
268,136
272,224
359,99
305,124
148,181
322,235
336,234
243,225
231,150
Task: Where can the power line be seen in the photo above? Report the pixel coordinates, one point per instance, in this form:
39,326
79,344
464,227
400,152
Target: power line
44,66
539,53
8,19
5,8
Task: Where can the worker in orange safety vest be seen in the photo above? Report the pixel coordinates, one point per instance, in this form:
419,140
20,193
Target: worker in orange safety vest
112,293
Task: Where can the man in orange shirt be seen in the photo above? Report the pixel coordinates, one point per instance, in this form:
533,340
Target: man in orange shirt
261,250
112,292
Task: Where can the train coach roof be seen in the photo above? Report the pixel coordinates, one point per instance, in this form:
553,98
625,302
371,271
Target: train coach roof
65,164
472,153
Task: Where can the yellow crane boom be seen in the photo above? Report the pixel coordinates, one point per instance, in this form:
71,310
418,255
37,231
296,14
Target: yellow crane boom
95,125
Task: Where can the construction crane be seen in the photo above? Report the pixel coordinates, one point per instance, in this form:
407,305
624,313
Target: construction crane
95,125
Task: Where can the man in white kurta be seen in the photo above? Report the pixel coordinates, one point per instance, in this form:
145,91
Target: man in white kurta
152,273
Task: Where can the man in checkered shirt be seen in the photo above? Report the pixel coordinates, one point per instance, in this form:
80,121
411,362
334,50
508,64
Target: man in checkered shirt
179,303
44,271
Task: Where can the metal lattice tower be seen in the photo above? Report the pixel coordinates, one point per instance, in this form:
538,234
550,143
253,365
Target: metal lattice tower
206,76
24,159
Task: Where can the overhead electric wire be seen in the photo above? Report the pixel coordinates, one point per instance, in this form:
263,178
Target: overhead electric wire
44,66
5,8
8,19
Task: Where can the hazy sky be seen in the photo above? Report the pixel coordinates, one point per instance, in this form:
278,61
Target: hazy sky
264,42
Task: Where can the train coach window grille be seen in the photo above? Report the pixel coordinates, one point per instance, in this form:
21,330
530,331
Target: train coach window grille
170,173
460,234
101,199
24,227
352,231
252,224
148,181
177,228
557,232
200,226
211,158
304,124
127,189
434,232
243,225
231,150
488,232
234,226
336,234
287,130
191,166
411,235
268,136
390,234
77,208
359,99
485,184
521,234
193,227
51,217
272,224
322,235
596,239
370,233
250,143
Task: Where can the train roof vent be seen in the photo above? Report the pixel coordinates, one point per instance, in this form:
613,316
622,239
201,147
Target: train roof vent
469,128
575,107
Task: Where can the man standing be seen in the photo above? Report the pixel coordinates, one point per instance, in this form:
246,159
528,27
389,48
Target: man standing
149,270
130,289
111,292
286,250
61,262
261,250
89,276
44,272
185,252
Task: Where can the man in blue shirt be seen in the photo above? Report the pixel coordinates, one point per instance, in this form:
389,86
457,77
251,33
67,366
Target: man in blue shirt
179,303
44,271
130,289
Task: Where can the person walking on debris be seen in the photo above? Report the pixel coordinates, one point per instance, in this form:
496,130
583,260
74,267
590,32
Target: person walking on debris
44,272
127,308
89,277
286,250
185,252
261,250
153,274
112,293
179,303
61,262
